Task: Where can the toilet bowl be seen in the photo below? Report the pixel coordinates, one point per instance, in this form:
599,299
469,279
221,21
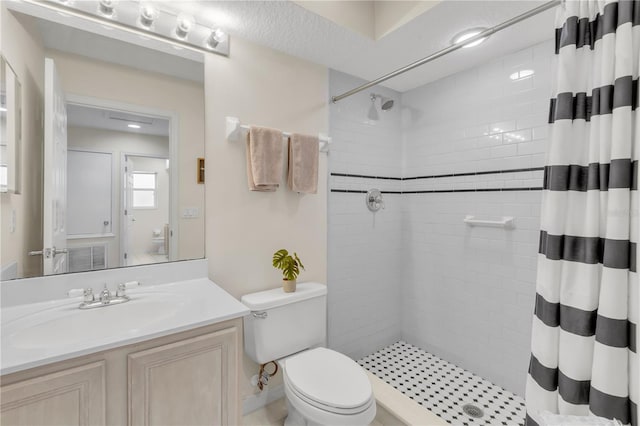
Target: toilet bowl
158,245
324,387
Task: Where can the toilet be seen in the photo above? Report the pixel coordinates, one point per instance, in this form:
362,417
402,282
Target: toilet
158,242
322,386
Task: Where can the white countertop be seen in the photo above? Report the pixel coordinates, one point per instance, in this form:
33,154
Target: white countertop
42,333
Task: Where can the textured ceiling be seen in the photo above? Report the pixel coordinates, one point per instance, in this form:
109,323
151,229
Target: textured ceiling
290,28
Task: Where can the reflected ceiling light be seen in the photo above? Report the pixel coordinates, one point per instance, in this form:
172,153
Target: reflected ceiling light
216,37
466,35
184,24
519,75
107,8
3,109
133,126
148,15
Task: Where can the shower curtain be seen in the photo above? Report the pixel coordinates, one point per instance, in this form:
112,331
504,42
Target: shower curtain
584,357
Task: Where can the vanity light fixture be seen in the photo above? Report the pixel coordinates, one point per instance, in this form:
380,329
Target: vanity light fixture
522,74
184,24
133,126
144,18
148,15
217,36
466,35
107,8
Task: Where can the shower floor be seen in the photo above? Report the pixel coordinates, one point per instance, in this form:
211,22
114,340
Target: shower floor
444,388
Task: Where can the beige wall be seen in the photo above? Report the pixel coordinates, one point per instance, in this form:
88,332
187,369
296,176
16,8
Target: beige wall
25,53
116,143
264,87
87,77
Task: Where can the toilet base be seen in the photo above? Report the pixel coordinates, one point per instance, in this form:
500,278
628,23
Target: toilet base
294,418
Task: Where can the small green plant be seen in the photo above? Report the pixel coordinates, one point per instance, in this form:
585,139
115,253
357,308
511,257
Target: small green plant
289,265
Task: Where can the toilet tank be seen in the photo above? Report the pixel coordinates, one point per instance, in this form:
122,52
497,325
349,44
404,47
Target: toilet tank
281,324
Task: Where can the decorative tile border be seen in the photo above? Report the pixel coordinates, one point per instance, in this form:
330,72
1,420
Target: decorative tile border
448,175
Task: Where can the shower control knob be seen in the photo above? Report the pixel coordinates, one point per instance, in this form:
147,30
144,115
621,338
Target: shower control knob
374,200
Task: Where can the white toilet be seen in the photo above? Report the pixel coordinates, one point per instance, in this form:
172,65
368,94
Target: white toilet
158,242
322,386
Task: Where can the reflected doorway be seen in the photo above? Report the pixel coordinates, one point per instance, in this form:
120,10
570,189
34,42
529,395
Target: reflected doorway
120,186
145,214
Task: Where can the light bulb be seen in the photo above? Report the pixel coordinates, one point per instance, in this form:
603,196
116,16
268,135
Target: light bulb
184,24
107,8
216,37
148,15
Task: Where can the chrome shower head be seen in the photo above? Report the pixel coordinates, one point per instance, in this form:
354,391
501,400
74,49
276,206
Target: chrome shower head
387,104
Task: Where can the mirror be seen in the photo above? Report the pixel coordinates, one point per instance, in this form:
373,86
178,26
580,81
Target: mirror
106,171
10,128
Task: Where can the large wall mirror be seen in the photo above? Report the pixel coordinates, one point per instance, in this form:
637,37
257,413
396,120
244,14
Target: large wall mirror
111,133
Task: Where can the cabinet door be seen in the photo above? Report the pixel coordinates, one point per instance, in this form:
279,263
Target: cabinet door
191,382
70,397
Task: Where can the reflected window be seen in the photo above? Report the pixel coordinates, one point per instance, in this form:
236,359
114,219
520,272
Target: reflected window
144,190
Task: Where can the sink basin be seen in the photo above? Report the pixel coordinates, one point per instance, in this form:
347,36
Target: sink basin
50,331
63,325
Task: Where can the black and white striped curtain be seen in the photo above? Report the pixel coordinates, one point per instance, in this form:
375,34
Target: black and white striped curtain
584,333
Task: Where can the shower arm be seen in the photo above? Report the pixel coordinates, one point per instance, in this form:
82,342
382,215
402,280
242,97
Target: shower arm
451,48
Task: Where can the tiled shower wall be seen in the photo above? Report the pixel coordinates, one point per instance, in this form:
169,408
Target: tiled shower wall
364,249
418,272
468,292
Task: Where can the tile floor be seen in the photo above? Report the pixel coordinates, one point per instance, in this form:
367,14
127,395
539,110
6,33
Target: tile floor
443,387
273,415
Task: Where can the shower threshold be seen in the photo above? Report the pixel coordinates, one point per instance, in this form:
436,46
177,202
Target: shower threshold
450,392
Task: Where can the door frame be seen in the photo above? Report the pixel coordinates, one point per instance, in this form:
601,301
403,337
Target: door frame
122,194
174,179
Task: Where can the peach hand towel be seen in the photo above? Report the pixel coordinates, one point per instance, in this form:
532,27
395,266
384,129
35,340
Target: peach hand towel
303,163
264,158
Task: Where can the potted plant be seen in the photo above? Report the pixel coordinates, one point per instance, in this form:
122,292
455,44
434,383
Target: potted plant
290,267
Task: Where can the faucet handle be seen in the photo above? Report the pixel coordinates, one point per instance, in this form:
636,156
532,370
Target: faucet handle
86,292
123,287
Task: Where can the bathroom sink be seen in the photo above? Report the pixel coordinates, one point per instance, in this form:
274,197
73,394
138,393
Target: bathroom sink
50,331
63,325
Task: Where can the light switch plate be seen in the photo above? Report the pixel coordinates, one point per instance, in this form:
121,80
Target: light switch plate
190,212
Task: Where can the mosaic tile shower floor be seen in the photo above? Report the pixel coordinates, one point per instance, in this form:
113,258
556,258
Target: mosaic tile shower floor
444,388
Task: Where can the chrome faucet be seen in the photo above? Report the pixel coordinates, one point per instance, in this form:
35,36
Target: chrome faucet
106,298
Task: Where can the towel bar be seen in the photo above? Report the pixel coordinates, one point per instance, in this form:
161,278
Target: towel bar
235,131
506,222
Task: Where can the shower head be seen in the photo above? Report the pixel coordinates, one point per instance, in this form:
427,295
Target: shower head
387,104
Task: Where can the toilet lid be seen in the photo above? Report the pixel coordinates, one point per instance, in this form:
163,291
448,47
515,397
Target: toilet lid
329,378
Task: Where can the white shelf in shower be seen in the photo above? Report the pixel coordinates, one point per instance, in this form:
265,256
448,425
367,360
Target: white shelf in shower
505,222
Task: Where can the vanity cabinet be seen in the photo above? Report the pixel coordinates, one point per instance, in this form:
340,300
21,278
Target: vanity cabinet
75,396
185,378
183,383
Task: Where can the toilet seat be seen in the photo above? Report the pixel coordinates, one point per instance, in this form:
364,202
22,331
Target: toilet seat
290,390
329,381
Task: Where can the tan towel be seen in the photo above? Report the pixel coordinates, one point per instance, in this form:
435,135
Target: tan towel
264,158
303,163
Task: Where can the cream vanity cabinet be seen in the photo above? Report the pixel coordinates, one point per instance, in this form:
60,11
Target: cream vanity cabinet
185,378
